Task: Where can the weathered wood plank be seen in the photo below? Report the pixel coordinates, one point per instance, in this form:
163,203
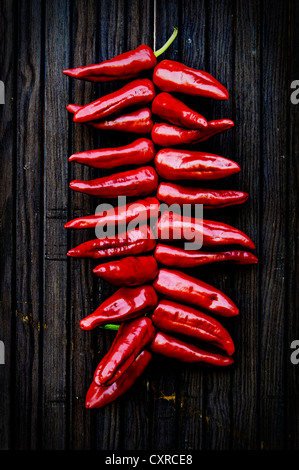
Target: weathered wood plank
292,273
29,223
56,347
84,31
248,155
275,96
8,15
220,44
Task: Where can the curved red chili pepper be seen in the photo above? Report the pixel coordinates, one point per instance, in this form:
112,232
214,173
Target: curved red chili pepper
129,271
139,152
172,317
175,348
177,164
132,337
137,93
132,242
123,66
171,193
100,396
138,182
136,122
176,257
124,304
188,290
142,209
172,76
175,111
172,226
167,135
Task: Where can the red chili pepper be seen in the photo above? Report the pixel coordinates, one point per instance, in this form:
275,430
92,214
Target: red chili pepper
210,198
176,257
172,76
175,164
139,152
169,108
142,209
172,226
137,122
138,182
137,93
172,317
188,290
126,303
132,337
129,271
167,135
98,397
123,66
130,243
175,348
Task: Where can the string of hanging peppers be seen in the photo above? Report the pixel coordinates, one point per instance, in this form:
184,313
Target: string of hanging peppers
158,308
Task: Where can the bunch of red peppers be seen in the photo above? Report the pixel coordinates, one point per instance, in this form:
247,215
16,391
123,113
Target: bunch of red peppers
158,307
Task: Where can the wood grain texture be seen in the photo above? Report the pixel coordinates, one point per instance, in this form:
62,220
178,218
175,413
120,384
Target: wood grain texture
252,50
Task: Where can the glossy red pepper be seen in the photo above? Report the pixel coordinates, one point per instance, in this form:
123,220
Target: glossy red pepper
139,152
126,303
141,209
172,76
172,317
137,93
171,193
177,257
186,289
132,337
168,135
131,183
123,66
129,271
130,243
136,122
98,396
169,108
175,348
172,226
177,164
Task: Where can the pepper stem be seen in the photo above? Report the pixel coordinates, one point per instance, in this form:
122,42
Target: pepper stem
110,327
167,44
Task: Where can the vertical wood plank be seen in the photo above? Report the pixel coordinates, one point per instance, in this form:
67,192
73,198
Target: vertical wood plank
292,274
56,334
248,155
273,242
219,62
8,31
29,215
84,30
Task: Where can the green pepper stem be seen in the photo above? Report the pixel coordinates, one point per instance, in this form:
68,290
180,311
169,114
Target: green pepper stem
110,327
167,44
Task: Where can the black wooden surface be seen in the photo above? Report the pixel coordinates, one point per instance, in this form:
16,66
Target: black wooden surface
252,48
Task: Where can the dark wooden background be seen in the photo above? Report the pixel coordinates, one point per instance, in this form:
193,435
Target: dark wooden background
252,48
